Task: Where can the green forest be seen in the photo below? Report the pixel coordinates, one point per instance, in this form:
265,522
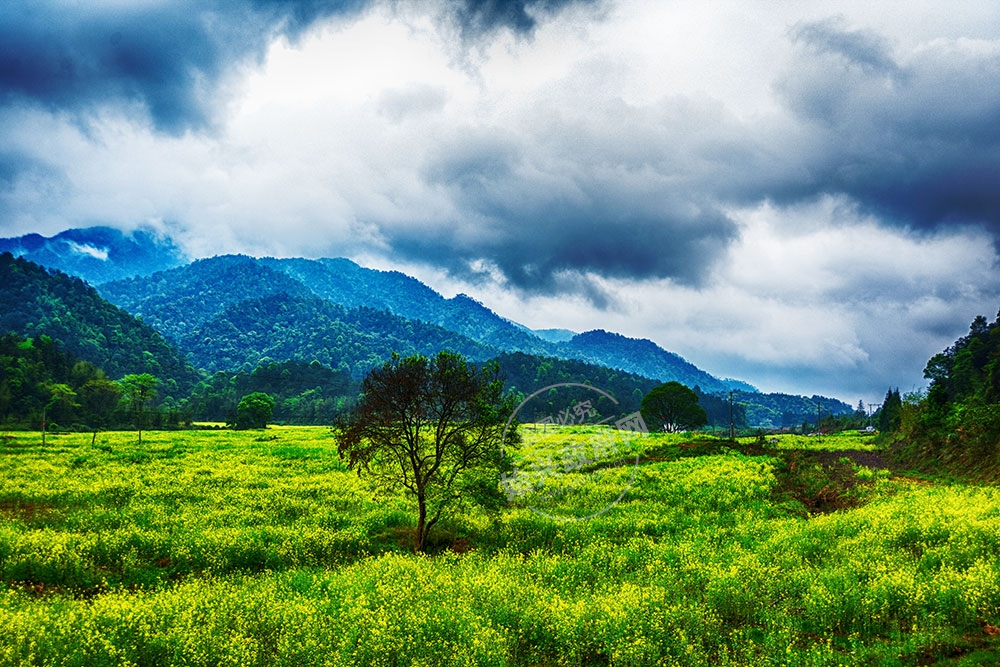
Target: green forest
63,342
218,330
955,425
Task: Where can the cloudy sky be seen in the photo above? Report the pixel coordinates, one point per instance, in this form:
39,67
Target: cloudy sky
804,195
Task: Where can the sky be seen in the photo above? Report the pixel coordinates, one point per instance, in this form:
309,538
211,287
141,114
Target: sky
802,195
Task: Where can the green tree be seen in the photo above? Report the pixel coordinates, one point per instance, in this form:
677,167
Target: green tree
99,397
891,412
672,407
254,410
430,426
60,404
138,391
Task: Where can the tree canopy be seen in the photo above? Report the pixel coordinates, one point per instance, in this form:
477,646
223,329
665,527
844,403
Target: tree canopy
138,390
433,427
254,410
957,423
672,407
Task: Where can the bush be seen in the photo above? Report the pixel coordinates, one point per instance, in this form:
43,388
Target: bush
254,411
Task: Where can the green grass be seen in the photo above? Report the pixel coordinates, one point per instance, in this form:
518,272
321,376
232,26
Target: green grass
828,442
259,548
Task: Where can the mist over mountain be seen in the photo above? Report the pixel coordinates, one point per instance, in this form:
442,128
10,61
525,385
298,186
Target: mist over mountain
99,254
554,335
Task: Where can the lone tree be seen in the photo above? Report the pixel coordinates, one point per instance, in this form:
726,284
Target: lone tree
254,410
138,390
672,407
99,397
433,427
61,402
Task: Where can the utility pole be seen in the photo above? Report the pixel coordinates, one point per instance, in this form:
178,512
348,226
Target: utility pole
732,424
872,409
819,406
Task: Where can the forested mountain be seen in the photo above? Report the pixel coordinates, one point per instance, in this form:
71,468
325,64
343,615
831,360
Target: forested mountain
527,373
35,301
284,327
342,281
179,300
643,357
241,316
98,254
785,410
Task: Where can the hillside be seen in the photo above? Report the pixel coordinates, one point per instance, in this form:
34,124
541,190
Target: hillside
283,327
344,282
36,302
955,426
181,300
643,357
98,254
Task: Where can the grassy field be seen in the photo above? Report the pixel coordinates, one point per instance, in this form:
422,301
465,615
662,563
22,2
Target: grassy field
259,548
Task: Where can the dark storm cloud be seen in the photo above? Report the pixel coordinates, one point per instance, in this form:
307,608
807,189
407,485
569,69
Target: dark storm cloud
476,18
169,56
15,165
166,56
10,165
545,229
916,142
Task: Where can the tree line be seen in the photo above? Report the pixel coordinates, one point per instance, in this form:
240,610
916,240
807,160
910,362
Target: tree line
955,424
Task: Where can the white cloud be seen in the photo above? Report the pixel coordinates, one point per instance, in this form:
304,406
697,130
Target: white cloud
667,162
92,251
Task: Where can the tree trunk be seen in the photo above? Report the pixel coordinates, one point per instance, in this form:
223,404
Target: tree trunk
420,537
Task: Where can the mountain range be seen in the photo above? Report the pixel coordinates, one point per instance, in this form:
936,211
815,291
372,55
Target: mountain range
213,293
233,312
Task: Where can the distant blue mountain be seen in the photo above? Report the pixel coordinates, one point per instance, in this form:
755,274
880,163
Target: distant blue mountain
99,254
643,357
555,335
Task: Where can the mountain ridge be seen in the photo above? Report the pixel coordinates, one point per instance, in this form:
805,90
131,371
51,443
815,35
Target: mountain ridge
177,299
342,281
231,323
